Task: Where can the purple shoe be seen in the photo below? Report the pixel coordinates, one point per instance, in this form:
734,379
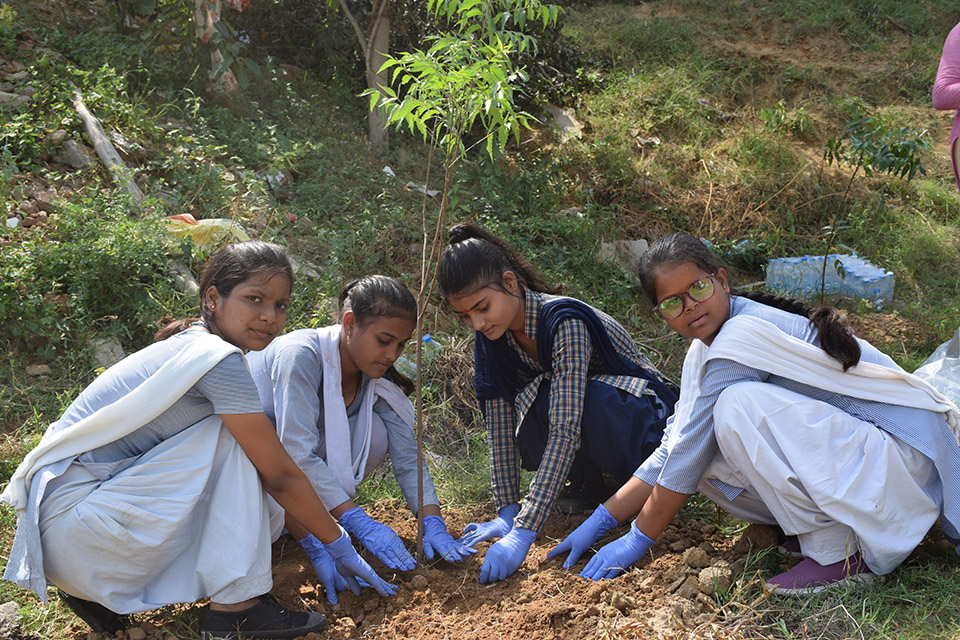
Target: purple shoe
811,577
790,547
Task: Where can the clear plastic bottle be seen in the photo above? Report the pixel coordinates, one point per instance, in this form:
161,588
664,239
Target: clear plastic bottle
407,363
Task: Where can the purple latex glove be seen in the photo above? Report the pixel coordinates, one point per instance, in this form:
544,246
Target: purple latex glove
506,555
584,536
351,566
437,541
614,558
497,528
378,539
325,566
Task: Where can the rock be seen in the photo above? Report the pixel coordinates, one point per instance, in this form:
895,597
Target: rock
696,558
27,208
690,588
707,548
680,544
136,633
20,75
30,221
12,222
625,253
10,620
78,156
757,536
524,599
419,582
370,604
594,593
622,602
13,100
107,352
713,579
38,370
183,278
46,201
565,121
58,136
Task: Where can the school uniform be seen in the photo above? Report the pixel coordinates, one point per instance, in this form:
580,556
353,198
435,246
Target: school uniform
589,402
771,428
137,497
299,381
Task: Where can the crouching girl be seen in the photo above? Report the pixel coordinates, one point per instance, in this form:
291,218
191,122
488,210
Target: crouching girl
335,399
152,487
784,418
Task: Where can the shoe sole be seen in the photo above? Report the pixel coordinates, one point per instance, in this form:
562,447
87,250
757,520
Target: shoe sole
849,581
265,634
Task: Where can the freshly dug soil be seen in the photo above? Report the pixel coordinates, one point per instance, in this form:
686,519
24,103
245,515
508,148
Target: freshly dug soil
669,594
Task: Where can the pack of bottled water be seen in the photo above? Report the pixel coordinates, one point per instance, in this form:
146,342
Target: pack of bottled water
838,274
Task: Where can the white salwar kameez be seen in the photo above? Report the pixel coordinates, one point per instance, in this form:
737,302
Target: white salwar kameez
187,519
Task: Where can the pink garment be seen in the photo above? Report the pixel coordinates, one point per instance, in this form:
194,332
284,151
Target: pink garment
946,88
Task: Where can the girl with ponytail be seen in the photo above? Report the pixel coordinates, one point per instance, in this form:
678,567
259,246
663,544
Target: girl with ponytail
339,407
563,388
786,418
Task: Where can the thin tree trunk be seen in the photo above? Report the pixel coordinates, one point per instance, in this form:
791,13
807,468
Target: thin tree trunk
379,47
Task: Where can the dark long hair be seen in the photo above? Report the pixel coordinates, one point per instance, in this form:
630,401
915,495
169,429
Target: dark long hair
836,338
234,264
375,297
475,259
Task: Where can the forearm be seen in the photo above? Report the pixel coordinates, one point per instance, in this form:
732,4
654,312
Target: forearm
628,500
304,508
660,508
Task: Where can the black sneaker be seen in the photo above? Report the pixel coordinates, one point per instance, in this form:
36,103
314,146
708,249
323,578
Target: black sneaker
266,620
100,619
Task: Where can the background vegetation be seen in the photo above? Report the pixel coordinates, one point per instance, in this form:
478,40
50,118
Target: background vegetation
699,116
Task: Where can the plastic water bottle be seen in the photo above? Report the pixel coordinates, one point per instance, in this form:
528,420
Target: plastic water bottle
855,278
407,363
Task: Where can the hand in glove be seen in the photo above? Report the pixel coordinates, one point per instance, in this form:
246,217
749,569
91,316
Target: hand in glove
325,566
584,536
614,558
506,555
497,528
351,567
378,539
437,541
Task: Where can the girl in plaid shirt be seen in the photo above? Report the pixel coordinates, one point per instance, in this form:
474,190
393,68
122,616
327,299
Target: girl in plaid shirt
563,388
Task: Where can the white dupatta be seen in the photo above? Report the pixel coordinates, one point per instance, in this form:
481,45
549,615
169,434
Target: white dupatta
347,451
110,423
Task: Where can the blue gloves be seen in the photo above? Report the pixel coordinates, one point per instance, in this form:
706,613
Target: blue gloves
351,567
378,539
584,536
614,558
506,555
325,566
436,540
497,528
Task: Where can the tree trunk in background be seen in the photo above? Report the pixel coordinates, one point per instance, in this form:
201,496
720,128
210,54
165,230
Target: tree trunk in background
379,46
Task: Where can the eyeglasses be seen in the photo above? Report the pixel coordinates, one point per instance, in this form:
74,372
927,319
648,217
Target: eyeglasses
700,291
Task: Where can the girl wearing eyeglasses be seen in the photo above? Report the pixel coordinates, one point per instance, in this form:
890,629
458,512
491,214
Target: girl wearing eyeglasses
564,391
786,418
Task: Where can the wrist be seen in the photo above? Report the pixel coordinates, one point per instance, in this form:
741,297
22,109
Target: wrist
509,512
433,524
310,543
526,536
639,536
341,546
603,517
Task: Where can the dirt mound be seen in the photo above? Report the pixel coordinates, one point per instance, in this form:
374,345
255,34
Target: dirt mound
670,594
